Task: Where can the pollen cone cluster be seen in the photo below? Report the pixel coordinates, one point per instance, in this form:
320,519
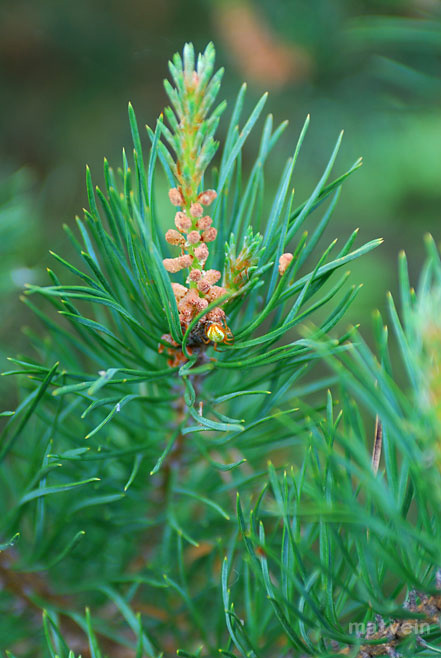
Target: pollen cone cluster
192,121
193,232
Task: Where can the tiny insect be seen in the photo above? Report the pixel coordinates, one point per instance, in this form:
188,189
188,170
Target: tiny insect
216,332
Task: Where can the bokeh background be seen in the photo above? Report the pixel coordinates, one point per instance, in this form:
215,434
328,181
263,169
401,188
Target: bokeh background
68,69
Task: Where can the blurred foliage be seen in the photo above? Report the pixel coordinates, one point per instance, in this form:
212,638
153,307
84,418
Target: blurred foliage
16,211
19,229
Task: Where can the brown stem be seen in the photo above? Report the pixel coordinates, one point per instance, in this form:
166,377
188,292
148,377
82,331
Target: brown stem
378,444
174,459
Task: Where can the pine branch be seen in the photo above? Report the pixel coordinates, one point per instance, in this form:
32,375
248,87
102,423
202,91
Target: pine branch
168,397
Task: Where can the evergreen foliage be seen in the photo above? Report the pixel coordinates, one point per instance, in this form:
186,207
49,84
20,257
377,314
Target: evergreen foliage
179,475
